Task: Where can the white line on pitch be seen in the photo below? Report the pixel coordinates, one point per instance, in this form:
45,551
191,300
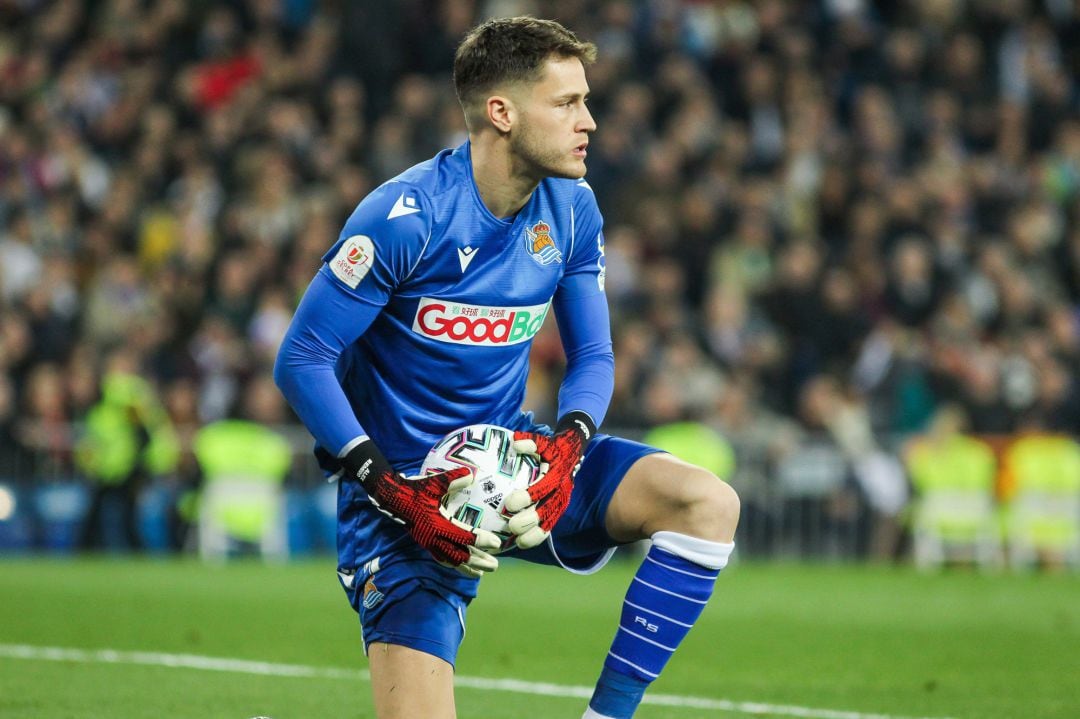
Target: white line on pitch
245,666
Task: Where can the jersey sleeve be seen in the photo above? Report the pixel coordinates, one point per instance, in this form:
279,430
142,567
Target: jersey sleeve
585,267
380,243
581,311
378,247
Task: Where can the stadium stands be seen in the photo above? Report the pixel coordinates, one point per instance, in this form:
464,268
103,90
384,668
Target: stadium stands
883,197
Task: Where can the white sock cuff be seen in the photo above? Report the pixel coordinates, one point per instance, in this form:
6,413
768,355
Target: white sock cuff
591,714
711,555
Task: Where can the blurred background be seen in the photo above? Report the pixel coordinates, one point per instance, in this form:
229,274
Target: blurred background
842,240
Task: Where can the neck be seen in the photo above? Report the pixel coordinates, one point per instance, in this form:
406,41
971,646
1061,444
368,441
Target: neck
503,183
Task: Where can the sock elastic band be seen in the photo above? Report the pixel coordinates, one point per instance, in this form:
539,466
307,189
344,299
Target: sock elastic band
711,555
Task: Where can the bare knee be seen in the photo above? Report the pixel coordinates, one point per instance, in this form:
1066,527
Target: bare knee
661,493
701,505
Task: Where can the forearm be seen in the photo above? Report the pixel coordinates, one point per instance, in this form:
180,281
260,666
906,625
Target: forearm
589,381
325,323
587,387
315,395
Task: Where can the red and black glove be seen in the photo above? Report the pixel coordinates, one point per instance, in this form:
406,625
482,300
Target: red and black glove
538,508
416,503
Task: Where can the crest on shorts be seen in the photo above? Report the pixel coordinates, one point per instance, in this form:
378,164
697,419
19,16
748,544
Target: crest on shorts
540,245
372,595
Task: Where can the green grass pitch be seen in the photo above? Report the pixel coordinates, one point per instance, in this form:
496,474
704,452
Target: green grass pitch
867,640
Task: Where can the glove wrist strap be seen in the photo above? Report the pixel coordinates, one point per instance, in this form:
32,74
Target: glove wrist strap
364,463
578,421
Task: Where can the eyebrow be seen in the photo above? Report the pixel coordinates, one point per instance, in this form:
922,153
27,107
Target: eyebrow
571,96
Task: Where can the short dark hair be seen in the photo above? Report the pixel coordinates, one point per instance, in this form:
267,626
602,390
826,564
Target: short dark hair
511,49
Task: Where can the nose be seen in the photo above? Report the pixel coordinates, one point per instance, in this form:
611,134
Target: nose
586,123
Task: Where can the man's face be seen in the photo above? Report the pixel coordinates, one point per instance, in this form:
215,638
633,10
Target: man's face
553,127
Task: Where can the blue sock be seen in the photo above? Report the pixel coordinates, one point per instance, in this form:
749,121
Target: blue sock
665,598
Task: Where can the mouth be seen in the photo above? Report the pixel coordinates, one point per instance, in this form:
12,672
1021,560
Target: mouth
579,151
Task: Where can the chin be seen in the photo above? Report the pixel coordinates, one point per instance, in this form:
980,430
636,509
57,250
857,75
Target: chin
569,171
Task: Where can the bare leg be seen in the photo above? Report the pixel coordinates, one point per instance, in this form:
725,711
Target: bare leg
407,683
663,493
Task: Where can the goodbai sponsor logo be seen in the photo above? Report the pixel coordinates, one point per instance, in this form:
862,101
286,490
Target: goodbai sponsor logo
477,325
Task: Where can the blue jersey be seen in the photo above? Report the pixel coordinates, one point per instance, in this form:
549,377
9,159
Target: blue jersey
421,318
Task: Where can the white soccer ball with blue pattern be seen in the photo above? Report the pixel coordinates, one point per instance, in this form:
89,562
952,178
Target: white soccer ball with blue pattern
488,451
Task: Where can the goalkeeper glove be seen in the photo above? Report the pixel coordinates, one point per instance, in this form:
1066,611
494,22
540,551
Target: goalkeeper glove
416,503
538,508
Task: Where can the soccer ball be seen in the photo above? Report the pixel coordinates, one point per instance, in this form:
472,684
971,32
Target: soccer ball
488,451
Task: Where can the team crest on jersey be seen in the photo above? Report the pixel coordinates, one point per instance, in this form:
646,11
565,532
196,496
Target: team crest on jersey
540,245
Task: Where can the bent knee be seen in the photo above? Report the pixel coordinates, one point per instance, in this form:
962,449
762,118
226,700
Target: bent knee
703,506
697,503
713,512
662,493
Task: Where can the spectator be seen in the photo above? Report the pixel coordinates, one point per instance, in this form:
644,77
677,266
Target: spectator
887,193
20,262
16,461
128,440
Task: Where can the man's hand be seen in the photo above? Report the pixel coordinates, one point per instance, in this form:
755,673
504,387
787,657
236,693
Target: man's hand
416,503
538,508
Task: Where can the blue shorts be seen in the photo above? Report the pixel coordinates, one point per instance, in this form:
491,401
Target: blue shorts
400,603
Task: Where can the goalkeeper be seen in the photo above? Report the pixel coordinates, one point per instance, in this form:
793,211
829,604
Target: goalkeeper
420,321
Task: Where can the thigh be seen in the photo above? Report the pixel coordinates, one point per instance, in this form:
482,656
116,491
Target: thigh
580,541
411,631
408,683
398,606
663,493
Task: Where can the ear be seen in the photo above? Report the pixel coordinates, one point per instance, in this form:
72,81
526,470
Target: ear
501,112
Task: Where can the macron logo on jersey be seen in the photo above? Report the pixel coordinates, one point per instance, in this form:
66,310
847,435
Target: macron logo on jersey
477,325
465,256
403,206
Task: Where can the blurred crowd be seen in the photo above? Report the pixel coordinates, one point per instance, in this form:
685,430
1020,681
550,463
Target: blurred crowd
825,220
